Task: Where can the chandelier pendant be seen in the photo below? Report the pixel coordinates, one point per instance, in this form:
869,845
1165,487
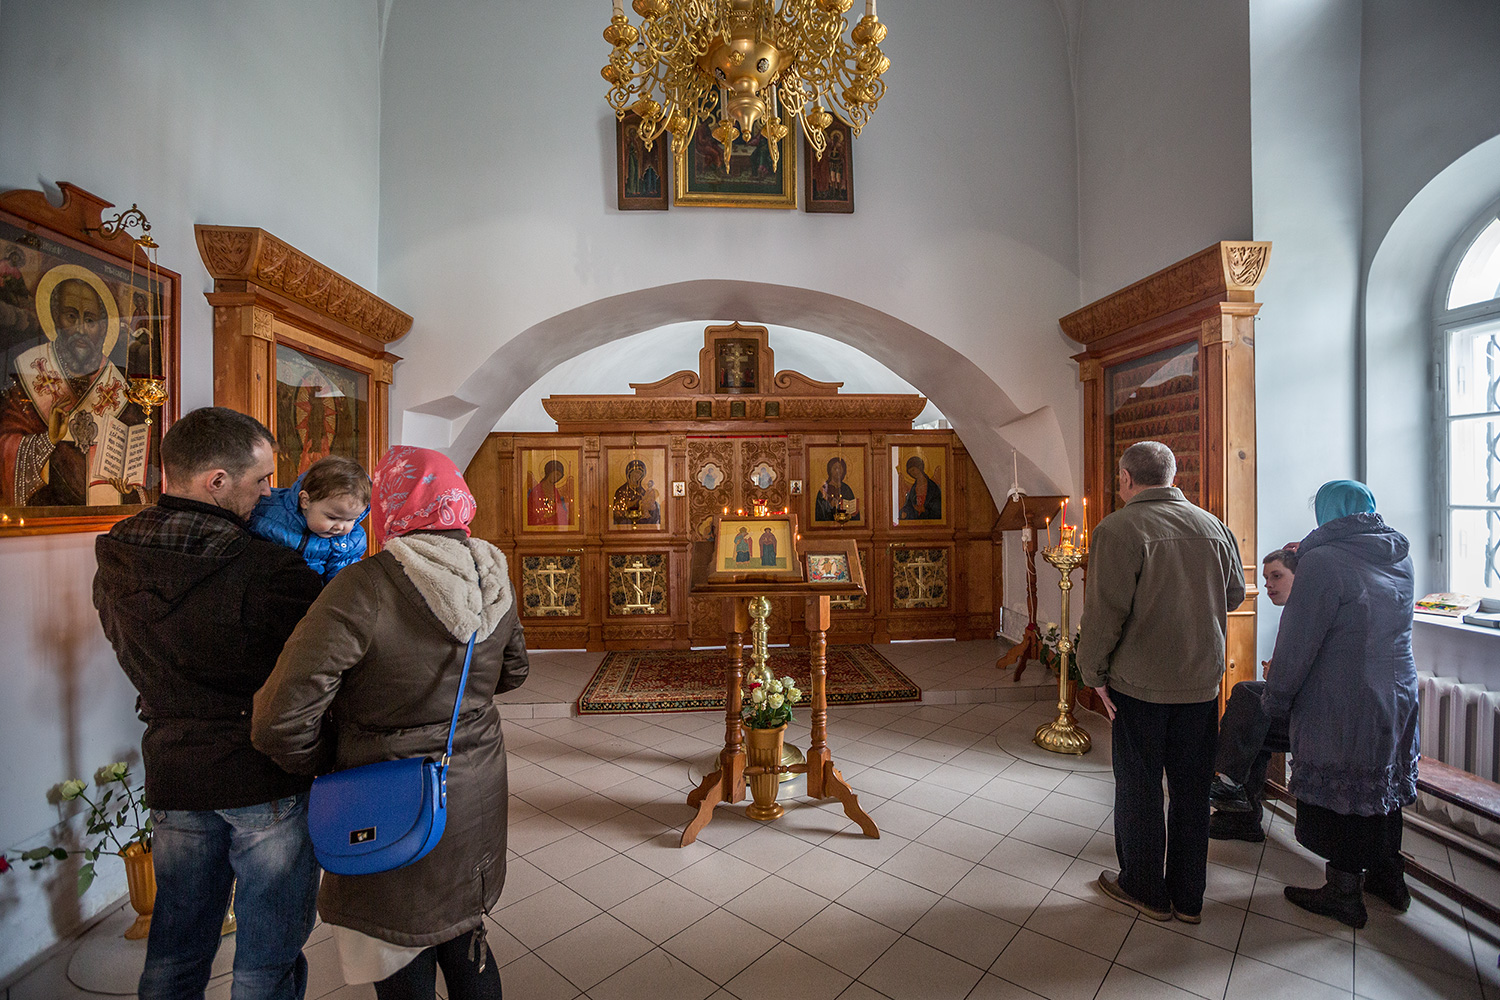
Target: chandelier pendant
738,65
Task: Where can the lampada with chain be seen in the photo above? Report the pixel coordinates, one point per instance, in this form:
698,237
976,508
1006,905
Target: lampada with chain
741,64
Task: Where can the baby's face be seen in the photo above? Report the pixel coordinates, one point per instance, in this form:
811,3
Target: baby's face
331,516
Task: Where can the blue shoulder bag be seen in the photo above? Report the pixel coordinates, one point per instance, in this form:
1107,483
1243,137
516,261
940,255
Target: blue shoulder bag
385,815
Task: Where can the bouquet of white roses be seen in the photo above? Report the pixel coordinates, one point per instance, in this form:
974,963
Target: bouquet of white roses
769,701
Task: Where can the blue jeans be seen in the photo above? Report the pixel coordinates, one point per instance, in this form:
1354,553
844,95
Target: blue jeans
198,855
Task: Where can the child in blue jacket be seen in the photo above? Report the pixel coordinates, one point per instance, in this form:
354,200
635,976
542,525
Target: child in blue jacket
319,515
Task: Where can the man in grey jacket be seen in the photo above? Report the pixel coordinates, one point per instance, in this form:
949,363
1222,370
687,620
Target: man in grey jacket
1163,575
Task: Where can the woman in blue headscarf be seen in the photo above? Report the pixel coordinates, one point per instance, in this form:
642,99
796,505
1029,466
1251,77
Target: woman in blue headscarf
1343,672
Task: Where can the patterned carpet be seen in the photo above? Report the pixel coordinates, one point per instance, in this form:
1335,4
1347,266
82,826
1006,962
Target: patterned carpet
693,680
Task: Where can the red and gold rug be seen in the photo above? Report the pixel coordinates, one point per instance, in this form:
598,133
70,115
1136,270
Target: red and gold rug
669,680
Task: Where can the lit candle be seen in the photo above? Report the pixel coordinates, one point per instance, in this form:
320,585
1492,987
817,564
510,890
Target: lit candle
1085,522
1047,527
1063,517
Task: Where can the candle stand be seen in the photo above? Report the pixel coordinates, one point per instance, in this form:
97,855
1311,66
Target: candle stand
1063,734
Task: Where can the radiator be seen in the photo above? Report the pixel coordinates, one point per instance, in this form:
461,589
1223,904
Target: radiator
1461,727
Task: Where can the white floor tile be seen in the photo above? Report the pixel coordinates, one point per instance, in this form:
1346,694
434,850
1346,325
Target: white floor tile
1195,966
612,881
927,867
981,885
720,945
1296,949
593,951
1050,968
785,973
654,974
1381,977
848,941
911,970
1127,984
1028,861
662,911
1253,980
892,901
1096,930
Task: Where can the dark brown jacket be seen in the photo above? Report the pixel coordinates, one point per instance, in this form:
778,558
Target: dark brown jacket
373,670
197,610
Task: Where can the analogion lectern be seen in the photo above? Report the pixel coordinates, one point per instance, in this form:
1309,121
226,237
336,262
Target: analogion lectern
1028,515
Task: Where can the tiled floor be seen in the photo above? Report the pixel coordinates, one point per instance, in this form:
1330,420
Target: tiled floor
980,886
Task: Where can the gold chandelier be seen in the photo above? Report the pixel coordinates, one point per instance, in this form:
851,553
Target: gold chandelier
742,63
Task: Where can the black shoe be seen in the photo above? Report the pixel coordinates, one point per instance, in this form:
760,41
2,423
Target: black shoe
1227,799
1389,888
1342,898
1235,826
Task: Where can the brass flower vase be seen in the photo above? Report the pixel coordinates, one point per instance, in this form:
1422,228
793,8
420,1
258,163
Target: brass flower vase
763,750
140,875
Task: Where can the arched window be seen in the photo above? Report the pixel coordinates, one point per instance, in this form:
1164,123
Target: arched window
1468,327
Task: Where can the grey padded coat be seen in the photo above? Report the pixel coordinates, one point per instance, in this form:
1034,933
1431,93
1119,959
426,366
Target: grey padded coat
1343,669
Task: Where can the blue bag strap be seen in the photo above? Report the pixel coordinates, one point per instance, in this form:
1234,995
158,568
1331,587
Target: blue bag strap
463,682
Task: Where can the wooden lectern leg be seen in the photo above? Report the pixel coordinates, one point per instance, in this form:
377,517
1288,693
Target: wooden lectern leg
727,784
835,785
704,798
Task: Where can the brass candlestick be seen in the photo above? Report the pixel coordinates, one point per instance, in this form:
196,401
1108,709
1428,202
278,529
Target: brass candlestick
1063,734
760,657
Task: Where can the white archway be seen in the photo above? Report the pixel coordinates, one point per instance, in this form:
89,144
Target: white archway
984,416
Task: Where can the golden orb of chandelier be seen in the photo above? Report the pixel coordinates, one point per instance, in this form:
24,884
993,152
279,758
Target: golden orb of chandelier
738,65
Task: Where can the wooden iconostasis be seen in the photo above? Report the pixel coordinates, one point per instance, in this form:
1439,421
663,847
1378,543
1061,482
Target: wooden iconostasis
598,517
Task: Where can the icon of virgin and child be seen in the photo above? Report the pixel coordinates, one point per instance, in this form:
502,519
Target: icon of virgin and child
637,496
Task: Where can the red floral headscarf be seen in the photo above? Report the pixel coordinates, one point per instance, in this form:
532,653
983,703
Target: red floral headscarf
417,489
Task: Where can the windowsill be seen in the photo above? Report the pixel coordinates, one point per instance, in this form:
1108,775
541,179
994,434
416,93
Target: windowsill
1444,621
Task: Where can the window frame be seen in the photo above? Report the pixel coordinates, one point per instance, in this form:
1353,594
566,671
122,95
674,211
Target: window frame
1445,324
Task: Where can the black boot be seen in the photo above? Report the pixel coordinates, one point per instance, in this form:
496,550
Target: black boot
1235,826
1388,884
1342,898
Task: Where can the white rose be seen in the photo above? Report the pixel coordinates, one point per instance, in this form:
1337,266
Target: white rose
788,683
776,700
775,686
794,696
757,696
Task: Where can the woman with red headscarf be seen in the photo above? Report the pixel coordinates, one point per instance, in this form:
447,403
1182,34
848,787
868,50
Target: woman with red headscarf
370,675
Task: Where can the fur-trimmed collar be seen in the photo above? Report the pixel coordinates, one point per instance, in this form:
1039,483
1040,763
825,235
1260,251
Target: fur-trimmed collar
466,586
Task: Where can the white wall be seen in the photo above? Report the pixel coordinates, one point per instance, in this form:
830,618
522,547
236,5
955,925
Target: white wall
1163,134
646,357
1431,116
200,111
498,210
1370,123
497,216
1305,71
